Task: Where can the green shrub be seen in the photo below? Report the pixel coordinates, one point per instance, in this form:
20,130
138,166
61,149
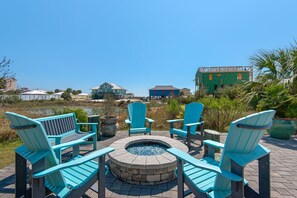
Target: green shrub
186,100
172,108
153,103
291,111
276,96
218,113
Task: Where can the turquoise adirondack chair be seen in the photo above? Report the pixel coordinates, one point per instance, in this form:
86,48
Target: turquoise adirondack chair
209,178
137,119
192,118
70,179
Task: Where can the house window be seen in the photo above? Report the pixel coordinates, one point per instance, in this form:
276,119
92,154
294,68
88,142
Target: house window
210,77
239,76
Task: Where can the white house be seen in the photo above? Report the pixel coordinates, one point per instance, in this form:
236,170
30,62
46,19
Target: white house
35,95
57,95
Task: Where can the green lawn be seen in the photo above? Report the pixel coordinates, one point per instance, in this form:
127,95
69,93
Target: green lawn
7,152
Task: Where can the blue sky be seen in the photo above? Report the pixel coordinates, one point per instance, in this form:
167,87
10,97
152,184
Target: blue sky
136,43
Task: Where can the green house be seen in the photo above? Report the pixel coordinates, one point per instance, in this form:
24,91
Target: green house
212,78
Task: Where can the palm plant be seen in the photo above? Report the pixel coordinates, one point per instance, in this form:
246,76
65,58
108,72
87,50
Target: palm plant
273,64
276,83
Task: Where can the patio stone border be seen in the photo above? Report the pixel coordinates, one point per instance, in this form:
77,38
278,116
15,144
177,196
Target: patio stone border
143,170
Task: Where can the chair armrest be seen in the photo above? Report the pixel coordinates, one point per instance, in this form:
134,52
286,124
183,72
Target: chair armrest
32,157
68,144
203,165
150,120
213,144
176,120
193,124
76,162
245,158
87,123
127,121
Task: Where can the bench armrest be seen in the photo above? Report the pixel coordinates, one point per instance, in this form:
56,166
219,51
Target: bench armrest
55,136
176,120
68,144
76,162
150,120
203,165
213,144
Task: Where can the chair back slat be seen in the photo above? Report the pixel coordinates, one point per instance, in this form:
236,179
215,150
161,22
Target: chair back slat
137,113
242,141
35,140
192,114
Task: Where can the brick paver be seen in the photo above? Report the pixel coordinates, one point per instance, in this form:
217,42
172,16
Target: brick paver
283,174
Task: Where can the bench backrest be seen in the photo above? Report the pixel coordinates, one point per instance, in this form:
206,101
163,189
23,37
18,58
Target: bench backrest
58,125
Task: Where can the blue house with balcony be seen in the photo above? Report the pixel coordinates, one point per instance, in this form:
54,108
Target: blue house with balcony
164,91
100,91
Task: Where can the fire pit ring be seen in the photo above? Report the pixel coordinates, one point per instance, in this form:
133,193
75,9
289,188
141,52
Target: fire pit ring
144,169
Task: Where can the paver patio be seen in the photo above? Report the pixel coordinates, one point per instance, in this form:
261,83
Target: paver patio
283,174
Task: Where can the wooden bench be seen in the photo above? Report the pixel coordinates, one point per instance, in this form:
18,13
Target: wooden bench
64,128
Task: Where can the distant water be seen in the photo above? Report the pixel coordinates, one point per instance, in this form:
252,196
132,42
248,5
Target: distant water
51,110
147,148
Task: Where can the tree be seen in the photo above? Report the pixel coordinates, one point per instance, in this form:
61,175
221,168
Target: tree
67,94
58,90
76,92
69,90
5,72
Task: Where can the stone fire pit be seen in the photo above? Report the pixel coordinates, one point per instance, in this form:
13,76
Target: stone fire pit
144,169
